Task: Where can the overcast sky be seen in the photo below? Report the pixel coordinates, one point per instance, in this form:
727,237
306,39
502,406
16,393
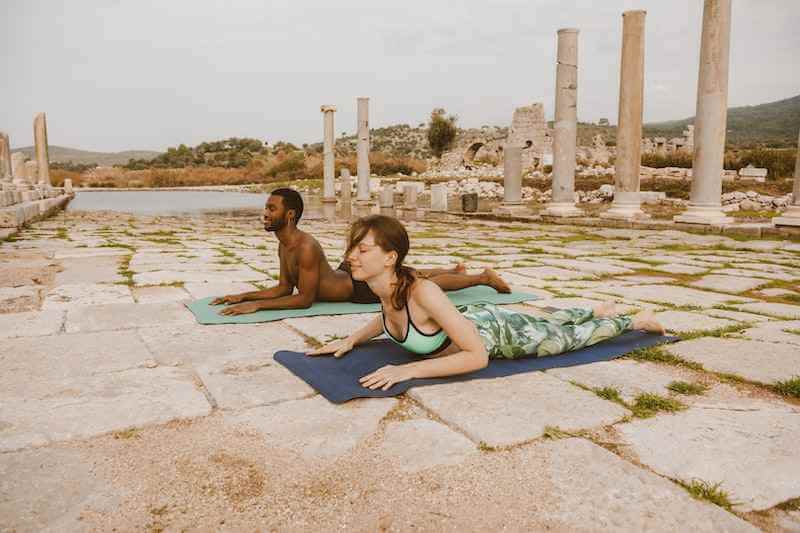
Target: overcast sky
147,74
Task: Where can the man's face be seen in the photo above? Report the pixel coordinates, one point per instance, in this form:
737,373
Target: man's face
274,214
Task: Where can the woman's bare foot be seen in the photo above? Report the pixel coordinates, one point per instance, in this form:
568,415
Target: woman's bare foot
460,268
646,320
605,310
494,280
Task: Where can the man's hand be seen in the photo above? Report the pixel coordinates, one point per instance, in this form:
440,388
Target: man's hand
338,348
230,299
240,309
385,377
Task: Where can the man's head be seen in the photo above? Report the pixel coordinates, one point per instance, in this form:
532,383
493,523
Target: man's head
284,206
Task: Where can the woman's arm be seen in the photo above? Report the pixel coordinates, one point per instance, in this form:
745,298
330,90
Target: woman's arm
462,333
339,347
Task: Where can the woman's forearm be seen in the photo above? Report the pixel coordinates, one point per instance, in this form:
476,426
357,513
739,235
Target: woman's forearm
450,365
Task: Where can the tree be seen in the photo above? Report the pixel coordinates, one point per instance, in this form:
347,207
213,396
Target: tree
441,131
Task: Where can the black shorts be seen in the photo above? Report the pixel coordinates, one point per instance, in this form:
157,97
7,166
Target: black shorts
362,294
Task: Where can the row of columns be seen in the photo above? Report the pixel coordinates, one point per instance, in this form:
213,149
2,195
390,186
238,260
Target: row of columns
20,180
362,150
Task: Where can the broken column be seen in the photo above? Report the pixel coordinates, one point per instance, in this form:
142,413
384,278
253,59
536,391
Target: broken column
409,197
362,188
387,196
328,165
791,217
705,205
512,181
5,158
40,141
627,201
439,197
346,186
565,127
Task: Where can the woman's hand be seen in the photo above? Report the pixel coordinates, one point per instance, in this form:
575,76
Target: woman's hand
385,377
338,348
240,309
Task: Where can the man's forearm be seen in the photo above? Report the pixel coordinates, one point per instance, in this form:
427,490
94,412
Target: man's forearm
292,301
273,292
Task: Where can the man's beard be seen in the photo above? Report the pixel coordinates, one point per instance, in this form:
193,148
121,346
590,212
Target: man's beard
275,225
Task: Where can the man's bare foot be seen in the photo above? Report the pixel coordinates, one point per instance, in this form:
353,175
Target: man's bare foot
460,268
646,320
605,310
495,281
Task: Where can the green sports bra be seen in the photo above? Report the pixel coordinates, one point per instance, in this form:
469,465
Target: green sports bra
416,341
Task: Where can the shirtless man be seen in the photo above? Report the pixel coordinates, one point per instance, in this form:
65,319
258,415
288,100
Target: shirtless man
303,265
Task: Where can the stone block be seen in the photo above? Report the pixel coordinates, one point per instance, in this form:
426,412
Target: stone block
314,428
748,446
83,294
126,316
31,324
515,409
683,321
421,444
722,283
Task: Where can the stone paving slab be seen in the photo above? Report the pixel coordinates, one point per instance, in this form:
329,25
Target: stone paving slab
777,331
48,490
31,323
594,490
736,284
90,252
206,276
515,409
103,269
736,315
683,321
750,447
674,295
315,428
327,328
772,309
91,405
421,444
629,378
243,382
20,299
592,267
753,360
158,294
83,294
523,281
126,316
764,273
204,290
198,345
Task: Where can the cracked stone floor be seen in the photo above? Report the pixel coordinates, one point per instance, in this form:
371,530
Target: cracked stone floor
118,411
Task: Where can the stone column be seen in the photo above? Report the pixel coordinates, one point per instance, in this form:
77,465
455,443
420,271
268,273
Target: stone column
791,217
565,127
18,170
409,197
439,197
387,196
362,194
705,202
40,140
512,181
346,190
328,166
5,158
627,203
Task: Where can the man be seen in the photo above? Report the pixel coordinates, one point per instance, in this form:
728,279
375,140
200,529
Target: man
303,265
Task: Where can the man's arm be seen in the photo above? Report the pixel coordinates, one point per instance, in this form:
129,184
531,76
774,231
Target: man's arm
308,258
283,288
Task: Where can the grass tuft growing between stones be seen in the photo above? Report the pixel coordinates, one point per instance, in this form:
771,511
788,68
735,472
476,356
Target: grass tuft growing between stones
125,434
61,233
656,354
689,389
556,433
790,505
789,387
702,490
647,405
610,394
125,271
719,332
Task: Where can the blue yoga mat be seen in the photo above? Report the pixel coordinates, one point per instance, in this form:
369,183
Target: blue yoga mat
337,379
209,314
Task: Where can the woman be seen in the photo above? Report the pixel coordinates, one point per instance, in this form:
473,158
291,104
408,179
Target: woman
417,315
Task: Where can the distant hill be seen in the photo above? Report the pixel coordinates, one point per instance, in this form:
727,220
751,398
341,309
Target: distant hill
105,159
774,124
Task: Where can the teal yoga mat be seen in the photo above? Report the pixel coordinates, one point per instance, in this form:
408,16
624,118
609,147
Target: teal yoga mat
209,314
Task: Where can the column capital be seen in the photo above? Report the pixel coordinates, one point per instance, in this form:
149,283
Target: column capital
327,108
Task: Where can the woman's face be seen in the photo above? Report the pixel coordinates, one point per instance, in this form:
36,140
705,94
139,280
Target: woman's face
368,260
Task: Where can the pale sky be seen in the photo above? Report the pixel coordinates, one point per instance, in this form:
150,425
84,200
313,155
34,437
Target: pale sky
147,74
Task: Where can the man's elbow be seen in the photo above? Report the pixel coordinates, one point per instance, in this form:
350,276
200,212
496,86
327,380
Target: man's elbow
304,302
